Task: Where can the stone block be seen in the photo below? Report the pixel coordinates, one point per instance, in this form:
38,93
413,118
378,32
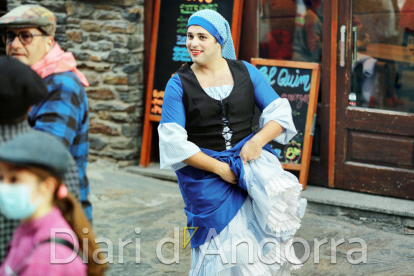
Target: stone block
98,56
131,109
137,58
100,93
66,45
61,38
25,2
91,26
61,29
72,26
97,37
61,18
75,36
115,79
104,128
77,9
81,55
119,27
123,164
97,142
105,45
92,158
121,2
133,79
118,56
105,7
408,231
92,115
140,76
93,46
120,117
72,20
95,66
92,77
110,106
55,6
135,42
325,210
107,15
129,97
134,14
123,89
137,116
131,130
131,68
103,115
122,143
408,222
122,154
121,40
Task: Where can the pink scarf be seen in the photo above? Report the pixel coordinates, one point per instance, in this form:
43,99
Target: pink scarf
58,61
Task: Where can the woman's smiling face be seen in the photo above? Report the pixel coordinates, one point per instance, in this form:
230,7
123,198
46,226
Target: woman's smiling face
201,45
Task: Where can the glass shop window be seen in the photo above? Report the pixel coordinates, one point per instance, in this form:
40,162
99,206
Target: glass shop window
291,30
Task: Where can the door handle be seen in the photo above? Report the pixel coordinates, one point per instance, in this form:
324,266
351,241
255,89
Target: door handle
342,46
355,31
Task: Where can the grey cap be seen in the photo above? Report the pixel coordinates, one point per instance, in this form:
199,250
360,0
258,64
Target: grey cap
36,149
30,16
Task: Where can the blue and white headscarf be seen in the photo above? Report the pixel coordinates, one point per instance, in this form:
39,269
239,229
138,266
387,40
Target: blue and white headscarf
218,27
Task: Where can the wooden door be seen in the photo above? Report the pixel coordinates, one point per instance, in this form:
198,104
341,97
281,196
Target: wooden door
374,148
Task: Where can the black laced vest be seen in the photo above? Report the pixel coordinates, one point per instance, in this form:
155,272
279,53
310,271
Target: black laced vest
206,117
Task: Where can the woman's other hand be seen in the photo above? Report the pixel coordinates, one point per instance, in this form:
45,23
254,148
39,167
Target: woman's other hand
251,150
227,174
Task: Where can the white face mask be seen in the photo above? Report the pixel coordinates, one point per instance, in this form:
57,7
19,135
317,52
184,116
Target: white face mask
15,201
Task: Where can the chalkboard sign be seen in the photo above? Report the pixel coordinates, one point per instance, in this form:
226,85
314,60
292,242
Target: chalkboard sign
299,83
169,52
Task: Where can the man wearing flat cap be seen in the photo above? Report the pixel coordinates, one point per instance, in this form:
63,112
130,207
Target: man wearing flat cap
20,89
28,33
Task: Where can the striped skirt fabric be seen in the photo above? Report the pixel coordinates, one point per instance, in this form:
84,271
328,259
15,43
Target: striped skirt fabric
258,240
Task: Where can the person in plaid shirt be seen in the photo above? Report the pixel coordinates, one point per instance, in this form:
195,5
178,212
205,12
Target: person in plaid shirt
64,113
21,88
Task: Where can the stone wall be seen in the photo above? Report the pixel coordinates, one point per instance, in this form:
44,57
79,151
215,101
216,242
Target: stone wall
106,38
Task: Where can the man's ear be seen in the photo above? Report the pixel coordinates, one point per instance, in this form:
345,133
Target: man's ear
50,42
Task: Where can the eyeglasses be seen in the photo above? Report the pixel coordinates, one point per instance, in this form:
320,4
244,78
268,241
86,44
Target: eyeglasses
25,37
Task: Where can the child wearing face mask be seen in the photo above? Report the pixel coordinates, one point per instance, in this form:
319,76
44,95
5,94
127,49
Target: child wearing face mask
53,225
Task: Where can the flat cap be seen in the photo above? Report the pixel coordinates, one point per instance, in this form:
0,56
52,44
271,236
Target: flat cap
30,16
36,149
20,88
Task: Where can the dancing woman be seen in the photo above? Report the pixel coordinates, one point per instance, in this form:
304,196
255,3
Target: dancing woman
242,207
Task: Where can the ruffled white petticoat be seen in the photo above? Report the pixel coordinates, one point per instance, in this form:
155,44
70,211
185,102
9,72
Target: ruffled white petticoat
266,224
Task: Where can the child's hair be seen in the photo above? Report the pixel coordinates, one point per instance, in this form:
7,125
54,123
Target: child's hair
73,213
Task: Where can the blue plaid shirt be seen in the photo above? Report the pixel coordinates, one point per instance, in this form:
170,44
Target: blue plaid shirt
64,113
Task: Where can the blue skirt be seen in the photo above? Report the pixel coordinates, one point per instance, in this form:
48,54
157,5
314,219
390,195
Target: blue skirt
258,240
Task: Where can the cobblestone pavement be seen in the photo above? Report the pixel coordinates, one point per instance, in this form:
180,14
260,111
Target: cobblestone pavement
123,202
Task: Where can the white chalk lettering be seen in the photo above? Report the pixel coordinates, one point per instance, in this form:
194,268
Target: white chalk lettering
269,77
286,80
